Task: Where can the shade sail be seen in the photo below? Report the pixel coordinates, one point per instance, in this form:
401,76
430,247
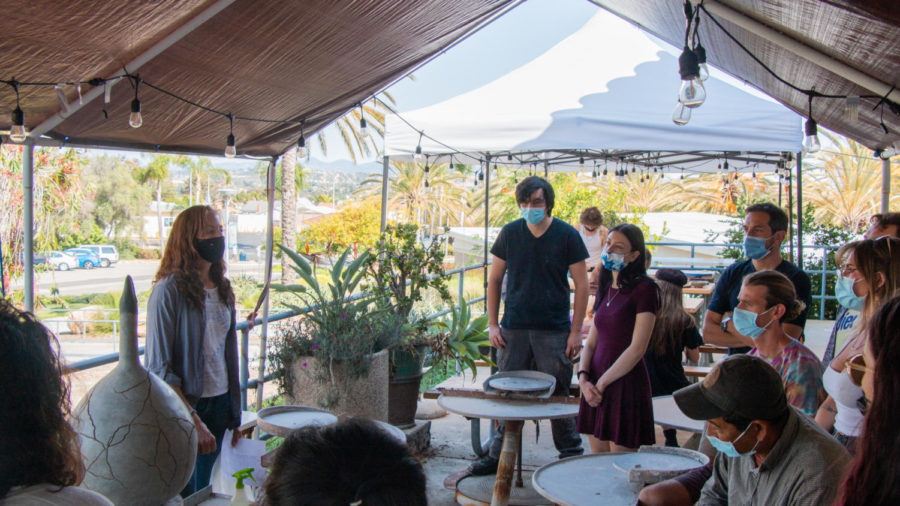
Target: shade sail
863,35
586,97
287,60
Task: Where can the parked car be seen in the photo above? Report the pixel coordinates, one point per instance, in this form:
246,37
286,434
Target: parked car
107,253
86,258
59,261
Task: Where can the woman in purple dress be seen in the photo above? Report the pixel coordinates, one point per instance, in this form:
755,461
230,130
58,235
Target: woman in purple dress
616,410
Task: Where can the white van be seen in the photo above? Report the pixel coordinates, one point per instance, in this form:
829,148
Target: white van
107,253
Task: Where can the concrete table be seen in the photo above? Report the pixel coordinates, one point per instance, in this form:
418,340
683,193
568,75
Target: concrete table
602,478
514,413
668,414
283,420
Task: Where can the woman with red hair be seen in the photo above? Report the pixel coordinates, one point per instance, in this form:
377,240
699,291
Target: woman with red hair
191,338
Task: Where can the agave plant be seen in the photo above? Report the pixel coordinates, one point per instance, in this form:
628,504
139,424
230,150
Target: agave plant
459,337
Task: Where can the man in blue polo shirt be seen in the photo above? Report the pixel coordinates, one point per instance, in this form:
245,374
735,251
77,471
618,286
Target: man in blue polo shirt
535,252
765,227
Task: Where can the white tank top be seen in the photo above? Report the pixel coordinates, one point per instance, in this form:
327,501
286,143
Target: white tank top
840,387
594,246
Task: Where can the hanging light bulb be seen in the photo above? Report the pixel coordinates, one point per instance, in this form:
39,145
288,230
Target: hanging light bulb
692,92
481,176
135,119
302,151
426,183
811,141
17,132
363,127
681,114
581,164
230,149
700,52
426,165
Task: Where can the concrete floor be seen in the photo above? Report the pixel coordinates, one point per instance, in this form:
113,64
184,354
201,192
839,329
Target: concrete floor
451,449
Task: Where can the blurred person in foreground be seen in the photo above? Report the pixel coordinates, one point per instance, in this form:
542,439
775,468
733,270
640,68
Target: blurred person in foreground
875,477
352,462
40,460
769,452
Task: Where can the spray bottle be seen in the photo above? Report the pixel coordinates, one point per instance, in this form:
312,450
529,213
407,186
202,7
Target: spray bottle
242,496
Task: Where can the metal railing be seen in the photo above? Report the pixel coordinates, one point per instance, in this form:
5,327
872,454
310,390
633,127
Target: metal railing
243,327
817,251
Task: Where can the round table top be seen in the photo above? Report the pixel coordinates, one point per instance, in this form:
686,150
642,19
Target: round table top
600,478
283,420
666,412
503,409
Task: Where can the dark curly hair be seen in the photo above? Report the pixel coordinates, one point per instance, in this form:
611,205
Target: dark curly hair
634,272
37,444
355,460
180,259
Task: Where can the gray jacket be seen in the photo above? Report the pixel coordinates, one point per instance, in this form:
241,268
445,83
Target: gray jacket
174,349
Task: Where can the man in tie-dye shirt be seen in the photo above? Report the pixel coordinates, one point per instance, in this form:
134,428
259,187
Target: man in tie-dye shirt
766,298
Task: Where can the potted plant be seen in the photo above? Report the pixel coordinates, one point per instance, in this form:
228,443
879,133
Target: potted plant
459,338
402,270
334,355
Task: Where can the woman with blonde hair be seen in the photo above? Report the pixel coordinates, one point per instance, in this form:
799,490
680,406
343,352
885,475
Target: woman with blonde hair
191,338
674,334
867,280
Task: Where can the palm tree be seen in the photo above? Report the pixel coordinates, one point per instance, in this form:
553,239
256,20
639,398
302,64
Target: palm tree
412,198
157,172
289,173
722,194
845,187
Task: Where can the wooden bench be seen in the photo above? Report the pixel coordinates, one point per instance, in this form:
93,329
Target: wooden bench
696,371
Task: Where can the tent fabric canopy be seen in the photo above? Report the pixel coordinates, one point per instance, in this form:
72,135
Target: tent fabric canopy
580,100
863,35
289,60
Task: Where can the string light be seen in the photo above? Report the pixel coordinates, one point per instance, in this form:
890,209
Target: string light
302,152
581,164
17,132
363,128
418,157
230,149
681,115
135,119
426,165
811,141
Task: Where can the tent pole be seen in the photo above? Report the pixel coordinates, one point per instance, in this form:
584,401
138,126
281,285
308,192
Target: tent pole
779,191
28,226
546,169
133,65
885,185
270,217
384,190
790,192
487,211
799,210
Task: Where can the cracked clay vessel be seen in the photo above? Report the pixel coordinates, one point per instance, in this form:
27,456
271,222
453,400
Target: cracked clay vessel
138,441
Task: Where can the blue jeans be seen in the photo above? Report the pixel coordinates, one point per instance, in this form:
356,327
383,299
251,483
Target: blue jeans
213,411
544,351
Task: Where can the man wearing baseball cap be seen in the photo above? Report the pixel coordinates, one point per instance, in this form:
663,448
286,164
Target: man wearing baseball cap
769,452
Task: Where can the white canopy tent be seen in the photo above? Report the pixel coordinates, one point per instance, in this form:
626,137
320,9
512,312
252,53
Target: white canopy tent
586,97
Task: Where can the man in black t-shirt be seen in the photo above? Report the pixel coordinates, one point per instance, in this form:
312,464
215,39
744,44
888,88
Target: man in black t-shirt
536,252
765,227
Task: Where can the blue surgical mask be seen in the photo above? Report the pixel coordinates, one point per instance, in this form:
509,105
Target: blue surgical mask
745,322
612,261
533,215
755,247
728,449
843,291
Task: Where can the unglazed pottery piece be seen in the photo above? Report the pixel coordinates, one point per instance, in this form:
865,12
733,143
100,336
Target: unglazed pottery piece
138,441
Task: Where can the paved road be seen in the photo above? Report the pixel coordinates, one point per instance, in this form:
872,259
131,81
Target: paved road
101,280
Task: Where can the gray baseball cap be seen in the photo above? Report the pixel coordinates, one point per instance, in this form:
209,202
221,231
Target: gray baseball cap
738,386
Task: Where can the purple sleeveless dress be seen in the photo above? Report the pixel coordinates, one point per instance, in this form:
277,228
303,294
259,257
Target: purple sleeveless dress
625,415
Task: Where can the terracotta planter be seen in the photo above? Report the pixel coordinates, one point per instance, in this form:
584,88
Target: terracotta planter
138,441
366,397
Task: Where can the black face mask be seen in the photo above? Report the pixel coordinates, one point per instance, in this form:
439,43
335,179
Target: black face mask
212,250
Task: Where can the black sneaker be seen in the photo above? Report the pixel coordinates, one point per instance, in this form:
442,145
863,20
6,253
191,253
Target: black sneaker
484,466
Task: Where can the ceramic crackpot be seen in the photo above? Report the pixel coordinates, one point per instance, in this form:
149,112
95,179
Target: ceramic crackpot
138,441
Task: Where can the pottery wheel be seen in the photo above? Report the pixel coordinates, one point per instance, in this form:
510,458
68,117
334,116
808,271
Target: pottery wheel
512,384
283,420
651,462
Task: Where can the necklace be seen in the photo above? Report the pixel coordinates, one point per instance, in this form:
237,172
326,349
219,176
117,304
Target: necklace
608,299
